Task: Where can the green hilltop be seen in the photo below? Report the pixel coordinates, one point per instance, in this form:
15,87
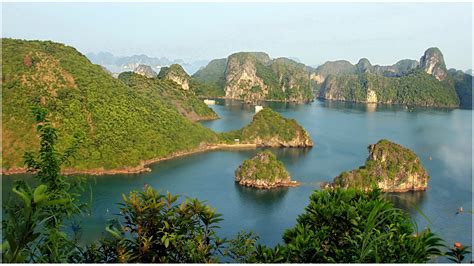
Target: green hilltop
120,125
210,80
170,93
263,171
254,76
271,129
389,167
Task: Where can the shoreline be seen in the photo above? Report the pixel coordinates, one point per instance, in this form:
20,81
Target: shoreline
143,166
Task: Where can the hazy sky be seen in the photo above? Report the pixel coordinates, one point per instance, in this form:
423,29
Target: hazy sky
311,32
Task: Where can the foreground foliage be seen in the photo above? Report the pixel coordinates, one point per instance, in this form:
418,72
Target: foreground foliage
353,226
33,230
156,228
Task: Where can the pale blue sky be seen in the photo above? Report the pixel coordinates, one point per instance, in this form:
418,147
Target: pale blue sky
312,32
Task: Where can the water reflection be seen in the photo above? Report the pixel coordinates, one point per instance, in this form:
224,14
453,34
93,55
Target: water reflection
371,107
409,201
270,198
290,155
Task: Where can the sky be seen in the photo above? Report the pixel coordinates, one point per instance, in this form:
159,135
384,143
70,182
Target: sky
311,32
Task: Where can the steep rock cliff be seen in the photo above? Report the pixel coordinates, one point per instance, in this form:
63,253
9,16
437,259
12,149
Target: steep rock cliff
432,62
254,76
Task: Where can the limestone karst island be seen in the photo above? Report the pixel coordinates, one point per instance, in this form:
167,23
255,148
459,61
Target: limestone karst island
263,171
236,133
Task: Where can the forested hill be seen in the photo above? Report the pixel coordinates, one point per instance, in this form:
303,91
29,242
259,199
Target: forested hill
119,125
171,93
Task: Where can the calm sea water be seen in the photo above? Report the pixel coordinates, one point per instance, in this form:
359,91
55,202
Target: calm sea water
341,133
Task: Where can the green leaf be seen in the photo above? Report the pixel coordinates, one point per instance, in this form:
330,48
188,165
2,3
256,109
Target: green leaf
39,193
24,195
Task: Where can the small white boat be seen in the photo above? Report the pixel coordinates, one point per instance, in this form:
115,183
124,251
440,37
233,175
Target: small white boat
209,102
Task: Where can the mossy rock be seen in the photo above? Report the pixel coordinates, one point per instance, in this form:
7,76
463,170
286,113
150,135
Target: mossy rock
263,171
390,167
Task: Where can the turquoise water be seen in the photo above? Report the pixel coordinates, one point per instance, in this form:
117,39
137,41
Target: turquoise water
341,133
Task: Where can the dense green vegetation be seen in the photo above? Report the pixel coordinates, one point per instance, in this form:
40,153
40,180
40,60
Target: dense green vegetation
120,125
210,80
263,166
416,88
166,91
337,226
389,165
350,226
158,229
463,85
268,126
339,67
174,69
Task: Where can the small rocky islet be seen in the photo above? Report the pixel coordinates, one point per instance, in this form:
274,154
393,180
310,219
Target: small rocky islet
390,167
263,171
270,129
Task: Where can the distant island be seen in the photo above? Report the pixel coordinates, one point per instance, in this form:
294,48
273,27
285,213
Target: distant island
389,167
254,77
263,171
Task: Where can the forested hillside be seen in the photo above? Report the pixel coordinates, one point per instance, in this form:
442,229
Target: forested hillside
119,125
170,93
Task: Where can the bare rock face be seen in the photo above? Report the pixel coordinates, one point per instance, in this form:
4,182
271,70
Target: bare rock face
145,70
254,77
242,81
390,167
177,74
263,171
432,62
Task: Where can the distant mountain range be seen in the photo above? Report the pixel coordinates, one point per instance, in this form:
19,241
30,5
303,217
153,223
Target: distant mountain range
118,64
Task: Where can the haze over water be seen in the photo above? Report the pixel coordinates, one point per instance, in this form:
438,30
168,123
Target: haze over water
341,133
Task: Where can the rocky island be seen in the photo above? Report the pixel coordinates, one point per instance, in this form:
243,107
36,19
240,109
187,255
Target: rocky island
408,82
390,166
270,129
254,77
263,171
